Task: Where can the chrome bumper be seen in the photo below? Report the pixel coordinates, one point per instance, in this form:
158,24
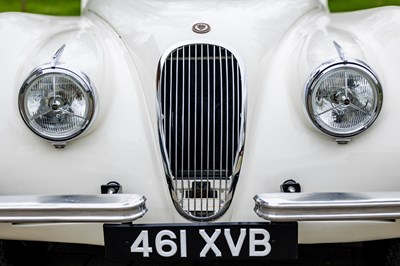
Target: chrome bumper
285,207
72,208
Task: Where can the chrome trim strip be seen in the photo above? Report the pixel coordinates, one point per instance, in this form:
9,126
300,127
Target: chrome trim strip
214,135
176,118
183,125
221,125
116,208
327,206
195,127
189,117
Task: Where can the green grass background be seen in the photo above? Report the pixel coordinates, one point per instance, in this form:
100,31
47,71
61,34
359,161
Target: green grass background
72,7
49,7
350,5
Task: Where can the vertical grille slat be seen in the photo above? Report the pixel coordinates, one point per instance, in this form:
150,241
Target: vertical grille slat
189,118
201,105
201,125
183,126
227,123
233,114
208,119
176,118
214,120
195,127
221,122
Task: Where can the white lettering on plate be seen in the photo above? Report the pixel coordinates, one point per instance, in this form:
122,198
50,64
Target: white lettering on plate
235,249
210,242
143,238
161,243
166,243
165,247
183,244
253,242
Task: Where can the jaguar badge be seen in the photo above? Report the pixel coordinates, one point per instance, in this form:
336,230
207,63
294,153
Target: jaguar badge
201,28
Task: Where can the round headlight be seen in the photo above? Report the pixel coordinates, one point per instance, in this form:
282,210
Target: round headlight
343,99
57,103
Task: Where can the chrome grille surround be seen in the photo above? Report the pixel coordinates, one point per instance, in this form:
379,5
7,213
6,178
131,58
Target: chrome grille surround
201,120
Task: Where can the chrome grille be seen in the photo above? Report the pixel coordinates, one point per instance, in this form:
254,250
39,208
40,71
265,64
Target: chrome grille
201,125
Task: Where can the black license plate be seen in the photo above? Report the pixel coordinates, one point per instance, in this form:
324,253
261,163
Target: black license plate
218,241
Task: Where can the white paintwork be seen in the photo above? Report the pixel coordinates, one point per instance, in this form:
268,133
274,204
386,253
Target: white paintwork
119,43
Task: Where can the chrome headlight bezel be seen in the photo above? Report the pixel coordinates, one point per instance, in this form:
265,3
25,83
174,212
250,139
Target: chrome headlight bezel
323,71
85,86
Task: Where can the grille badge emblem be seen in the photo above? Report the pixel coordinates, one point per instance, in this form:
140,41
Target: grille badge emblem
201,28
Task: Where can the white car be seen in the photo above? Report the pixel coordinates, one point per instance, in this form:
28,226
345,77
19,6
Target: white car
201,130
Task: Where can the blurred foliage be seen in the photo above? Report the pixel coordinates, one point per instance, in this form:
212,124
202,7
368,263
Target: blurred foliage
350,5
72,7
49,7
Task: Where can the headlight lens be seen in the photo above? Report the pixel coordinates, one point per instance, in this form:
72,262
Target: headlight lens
57,104
343,99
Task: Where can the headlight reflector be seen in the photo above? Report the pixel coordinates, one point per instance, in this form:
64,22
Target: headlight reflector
343,98
57,103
